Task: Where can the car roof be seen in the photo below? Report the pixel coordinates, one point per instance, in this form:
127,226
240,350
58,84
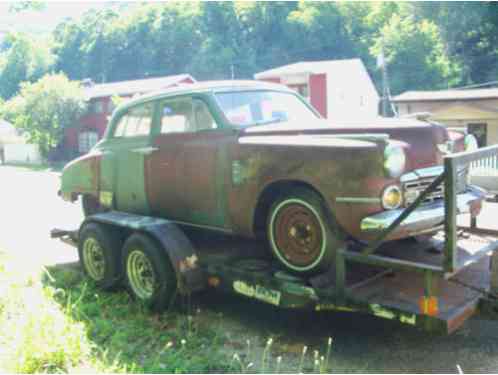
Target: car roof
208,86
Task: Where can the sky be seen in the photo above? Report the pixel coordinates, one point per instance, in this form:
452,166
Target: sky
46,19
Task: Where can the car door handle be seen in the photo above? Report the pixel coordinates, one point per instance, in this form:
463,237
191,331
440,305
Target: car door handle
145,150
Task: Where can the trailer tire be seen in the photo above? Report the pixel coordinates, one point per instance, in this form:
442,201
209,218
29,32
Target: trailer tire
150,277
99,250
302,234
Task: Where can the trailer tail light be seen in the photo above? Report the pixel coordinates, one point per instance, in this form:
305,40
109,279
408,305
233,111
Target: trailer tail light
429,306
213,281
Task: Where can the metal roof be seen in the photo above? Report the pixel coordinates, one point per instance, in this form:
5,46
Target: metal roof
348,66
121,88
446,95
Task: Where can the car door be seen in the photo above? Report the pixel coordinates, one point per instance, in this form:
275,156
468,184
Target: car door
184,173
123,161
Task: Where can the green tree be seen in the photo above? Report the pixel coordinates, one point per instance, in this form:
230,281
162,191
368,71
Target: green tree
44,109
415,55
25,59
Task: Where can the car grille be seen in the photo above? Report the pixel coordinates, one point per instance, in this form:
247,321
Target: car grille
412,189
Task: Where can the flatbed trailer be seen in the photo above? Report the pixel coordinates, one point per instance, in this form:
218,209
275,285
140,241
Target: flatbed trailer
434,284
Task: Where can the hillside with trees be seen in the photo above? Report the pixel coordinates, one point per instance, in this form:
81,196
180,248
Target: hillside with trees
426,45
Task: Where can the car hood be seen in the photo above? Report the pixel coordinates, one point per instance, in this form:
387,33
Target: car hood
419,139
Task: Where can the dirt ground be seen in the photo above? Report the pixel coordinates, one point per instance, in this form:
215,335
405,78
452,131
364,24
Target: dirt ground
30,207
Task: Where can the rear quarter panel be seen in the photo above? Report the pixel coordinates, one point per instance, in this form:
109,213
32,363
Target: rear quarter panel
81,176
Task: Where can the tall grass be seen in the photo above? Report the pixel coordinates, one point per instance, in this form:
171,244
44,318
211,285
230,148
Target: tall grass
36,335
56,321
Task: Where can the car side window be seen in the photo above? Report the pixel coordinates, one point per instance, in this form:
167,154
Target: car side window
136,122
203,118
185,115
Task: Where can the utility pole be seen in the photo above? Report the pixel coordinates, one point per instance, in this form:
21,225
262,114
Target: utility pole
386,92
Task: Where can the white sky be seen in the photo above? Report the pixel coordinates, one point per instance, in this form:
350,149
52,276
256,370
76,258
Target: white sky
46,19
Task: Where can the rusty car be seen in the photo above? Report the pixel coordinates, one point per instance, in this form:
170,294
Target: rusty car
254,159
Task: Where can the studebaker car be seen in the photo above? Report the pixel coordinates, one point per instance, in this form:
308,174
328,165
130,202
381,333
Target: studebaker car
255,159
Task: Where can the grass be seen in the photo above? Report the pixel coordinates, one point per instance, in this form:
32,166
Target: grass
56,320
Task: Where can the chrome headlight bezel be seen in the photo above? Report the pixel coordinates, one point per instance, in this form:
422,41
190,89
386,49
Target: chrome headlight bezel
389,190
394,161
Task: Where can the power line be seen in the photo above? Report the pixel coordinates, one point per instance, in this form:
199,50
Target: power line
490,83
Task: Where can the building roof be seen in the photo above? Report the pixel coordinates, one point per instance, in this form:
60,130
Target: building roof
9,133
313,67
446,95
133,87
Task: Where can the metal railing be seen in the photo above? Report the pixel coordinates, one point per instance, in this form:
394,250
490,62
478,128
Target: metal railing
454,165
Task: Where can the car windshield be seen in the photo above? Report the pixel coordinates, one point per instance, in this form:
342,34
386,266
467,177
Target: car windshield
247,108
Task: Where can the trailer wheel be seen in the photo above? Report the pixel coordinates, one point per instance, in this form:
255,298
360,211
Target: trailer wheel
150,277
300,232
98,250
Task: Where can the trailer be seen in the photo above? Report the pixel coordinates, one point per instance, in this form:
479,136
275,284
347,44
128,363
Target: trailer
435,284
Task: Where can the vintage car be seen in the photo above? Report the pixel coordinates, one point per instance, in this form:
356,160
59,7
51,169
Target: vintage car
255,159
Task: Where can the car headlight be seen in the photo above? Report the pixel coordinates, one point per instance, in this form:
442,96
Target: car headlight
392,197
470,142
394,160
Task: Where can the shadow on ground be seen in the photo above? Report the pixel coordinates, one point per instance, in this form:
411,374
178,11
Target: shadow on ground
220,326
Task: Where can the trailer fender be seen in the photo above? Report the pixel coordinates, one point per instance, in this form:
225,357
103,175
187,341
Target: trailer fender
173,241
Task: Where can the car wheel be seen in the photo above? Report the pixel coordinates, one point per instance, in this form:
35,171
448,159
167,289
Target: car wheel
150,277
300,232
91,205
98,250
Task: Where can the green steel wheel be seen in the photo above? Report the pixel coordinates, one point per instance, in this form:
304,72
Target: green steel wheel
141,274
150,277
302,234
98,250
93,258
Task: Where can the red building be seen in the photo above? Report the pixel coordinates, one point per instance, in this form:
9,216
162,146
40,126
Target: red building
92,125
338,89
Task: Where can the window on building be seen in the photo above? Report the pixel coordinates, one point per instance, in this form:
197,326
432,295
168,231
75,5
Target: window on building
480,131
302,89
136,122
86,140
96,107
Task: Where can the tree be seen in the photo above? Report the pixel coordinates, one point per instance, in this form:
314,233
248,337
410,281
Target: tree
25,59
44,109
415,55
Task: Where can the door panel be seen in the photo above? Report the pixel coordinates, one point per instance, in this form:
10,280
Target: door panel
183,181
123,160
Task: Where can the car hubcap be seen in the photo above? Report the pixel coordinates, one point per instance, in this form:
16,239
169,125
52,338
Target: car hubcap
93,259
298,234
141,274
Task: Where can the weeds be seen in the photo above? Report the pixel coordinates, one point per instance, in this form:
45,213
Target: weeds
57,321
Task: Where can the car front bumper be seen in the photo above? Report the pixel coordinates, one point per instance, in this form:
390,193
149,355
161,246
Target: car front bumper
426,218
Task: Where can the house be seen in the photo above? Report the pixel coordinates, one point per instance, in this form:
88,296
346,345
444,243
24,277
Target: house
14,148
92,125
338,89
475,110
